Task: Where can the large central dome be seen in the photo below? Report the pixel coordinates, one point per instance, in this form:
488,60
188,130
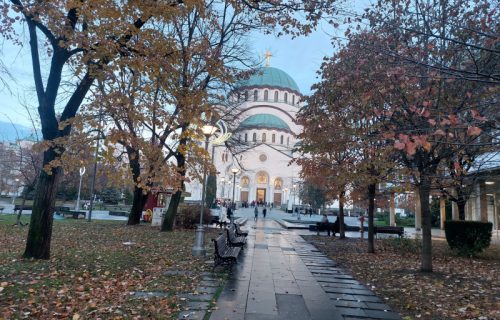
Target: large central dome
270,77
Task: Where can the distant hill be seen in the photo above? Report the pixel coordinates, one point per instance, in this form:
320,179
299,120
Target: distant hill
8,132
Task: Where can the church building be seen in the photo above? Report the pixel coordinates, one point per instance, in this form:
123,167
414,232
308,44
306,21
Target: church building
267,104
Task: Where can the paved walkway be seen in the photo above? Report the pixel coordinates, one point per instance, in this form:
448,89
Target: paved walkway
280,276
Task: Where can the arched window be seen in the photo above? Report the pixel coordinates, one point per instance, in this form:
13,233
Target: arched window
288,141
264,137
254,137
286,97
275,96
281,140
246,95
255,95
273,138
266,95
293,99
246,137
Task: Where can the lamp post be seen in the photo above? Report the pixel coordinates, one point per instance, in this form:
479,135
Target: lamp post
234,170
82,172
294,190
199,244
285,199
223,181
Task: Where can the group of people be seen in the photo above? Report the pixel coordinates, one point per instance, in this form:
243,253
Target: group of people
261,204
226,212
256,212
308,211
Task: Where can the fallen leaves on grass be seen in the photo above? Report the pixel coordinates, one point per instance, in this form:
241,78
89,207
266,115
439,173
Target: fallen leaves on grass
93,269
459,288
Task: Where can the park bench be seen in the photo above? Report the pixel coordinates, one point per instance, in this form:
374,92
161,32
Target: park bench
224,254
233,239
118,213
67,212
18,207
333,228
390,230
239,232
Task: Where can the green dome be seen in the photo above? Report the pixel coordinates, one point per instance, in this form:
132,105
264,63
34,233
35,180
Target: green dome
264,121
272,78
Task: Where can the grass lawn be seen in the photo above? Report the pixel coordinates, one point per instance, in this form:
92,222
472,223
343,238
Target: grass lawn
459,288
93,269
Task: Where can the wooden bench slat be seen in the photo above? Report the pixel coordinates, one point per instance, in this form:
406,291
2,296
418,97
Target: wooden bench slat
224,254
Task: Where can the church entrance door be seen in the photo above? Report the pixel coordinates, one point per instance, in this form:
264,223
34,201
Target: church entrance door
277,199
261,195
244,196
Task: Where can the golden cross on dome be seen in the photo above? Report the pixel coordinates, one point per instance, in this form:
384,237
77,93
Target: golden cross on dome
267,56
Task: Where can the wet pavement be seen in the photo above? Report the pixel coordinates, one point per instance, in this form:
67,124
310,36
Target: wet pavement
281,276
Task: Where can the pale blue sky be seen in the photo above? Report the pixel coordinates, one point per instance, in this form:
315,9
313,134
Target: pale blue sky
300,58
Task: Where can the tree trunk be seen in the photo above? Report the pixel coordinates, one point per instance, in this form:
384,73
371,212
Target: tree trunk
424,190
168,222
138,203
140,198
40,231
461,209
371,208
341,216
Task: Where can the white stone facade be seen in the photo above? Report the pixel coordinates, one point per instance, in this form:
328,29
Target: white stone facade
266,131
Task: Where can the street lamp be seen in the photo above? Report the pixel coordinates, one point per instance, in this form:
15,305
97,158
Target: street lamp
234,171
82,172
223,181
199,245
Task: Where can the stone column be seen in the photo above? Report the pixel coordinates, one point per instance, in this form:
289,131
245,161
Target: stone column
392,211
442,210
469,209
454,211
418,211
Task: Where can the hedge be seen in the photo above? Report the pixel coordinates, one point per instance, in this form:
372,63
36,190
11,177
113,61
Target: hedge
468,237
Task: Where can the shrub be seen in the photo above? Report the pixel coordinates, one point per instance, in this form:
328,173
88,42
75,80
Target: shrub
404,245
468,237
188,216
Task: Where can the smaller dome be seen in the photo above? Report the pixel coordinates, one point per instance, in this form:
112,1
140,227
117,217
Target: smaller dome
264,121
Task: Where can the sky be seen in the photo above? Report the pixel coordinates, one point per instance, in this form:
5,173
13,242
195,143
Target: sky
301,58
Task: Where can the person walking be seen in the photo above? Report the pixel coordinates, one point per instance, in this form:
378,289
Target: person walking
264,211
256,213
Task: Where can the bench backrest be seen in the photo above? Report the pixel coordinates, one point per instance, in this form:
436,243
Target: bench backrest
231,233
220,244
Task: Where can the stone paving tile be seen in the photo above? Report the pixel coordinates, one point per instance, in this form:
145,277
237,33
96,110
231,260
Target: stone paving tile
262,302
197,305
196,297
377,306
292,307
376,314
192,315
209,283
